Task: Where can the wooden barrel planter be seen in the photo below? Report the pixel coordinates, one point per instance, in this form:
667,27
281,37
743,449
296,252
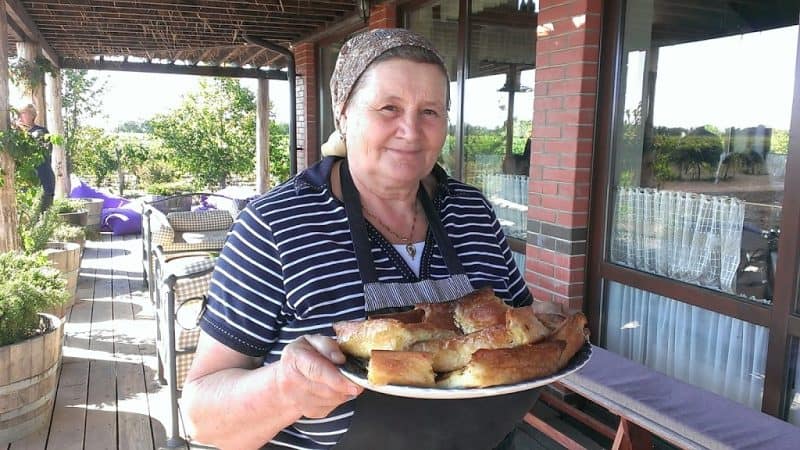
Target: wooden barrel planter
66,258
94,209
78,218
28,382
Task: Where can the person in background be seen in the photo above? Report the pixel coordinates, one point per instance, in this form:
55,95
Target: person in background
26,121
375,225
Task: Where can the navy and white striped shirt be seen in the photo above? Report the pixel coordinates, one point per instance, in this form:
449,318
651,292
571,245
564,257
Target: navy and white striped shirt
289,269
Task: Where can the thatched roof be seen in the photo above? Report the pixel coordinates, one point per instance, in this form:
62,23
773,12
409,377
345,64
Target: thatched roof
182,33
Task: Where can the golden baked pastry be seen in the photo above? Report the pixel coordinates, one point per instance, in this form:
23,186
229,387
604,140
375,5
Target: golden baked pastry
478,310
360,338
506,366
499,344
520,327
403,368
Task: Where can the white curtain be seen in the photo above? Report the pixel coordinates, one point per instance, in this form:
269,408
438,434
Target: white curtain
712,351
509,197
689,237
696,239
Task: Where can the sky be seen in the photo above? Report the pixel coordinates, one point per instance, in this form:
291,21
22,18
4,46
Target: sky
137,96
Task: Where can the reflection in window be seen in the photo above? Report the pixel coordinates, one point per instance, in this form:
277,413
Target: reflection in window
700,148
439,23
709,350
793,403
498,109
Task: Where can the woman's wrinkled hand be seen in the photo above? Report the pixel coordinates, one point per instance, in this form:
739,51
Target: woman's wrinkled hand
308,379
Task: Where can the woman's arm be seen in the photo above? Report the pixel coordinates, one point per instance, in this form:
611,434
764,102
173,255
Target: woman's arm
234,402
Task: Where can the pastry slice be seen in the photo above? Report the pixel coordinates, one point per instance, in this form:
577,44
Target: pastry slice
359,338
524,327
401,368
573,332
478,310
455,352
439,315
506,366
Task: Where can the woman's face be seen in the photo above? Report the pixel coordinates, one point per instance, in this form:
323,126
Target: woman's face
396,122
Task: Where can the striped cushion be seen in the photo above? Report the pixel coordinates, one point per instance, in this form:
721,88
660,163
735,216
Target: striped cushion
200,220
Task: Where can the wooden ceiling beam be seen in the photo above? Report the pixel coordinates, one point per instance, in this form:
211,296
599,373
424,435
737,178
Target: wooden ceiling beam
297,6
205,8
210,71
72,15
25,25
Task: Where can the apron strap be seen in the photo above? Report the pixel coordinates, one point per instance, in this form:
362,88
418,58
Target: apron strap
358,229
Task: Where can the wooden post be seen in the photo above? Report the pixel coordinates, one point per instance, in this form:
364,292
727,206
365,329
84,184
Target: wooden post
29,51
262,136
9,239
56,121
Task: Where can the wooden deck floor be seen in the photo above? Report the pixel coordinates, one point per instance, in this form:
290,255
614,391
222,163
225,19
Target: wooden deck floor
108,393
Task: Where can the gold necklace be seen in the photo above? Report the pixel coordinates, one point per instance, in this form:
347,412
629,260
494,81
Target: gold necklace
410,249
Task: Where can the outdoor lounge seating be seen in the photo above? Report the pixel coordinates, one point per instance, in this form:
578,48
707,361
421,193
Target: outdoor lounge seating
180,247
648,402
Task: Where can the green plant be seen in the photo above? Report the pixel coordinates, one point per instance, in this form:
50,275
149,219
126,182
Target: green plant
28,74
36,230
29,286
65,232
167,189
67,205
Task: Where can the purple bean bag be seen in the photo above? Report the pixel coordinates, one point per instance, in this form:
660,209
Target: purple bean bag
83,190
122,220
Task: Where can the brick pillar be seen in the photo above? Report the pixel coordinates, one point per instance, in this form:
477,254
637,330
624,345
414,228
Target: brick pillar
567,56
305,55
383,15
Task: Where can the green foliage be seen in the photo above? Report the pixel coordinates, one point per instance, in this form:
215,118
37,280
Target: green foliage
81,100
132,154
29,286
28,74
93,153
27,153
171,188
67,205
692,152
134,126
212,134
36,230
780,142
65,232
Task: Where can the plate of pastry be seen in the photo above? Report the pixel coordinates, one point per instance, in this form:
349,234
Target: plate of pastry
476,346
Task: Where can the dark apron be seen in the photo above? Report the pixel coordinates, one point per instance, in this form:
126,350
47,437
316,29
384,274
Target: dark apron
388,422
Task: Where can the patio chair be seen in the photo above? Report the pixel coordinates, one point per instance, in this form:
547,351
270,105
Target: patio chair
179,298
172,223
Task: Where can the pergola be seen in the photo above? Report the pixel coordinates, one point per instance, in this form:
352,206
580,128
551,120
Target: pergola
229,38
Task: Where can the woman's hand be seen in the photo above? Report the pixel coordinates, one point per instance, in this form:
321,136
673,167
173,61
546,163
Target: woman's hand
308,379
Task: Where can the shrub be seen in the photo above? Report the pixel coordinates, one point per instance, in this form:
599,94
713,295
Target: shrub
29,286
167,189
67,205
35,230
65,232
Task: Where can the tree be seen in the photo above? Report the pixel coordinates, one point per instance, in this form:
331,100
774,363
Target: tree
94,153
213,133
81,100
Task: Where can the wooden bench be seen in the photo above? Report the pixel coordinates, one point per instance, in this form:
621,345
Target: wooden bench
649,403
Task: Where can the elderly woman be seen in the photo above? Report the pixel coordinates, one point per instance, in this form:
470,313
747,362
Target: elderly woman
383,227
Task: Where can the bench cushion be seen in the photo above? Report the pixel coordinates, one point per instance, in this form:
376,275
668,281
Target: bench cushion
676,411
212,219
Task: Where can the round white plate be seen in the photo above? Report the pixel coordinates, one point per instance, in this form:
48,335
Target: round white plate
358,376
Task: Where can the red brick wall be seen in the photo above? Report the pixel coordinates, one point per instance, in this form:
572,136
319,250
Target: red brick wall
305,55
567,56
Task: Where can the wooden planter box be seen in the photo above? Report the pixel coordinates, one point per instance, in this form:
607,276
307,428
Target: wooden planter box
29,381
66,258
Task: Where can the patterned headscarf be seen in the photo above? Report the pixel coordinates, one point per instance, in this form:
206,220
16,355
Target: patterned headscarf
358,53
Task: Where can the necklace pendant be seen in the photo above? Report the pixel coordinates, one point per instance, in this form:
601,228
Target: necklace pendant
411,250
